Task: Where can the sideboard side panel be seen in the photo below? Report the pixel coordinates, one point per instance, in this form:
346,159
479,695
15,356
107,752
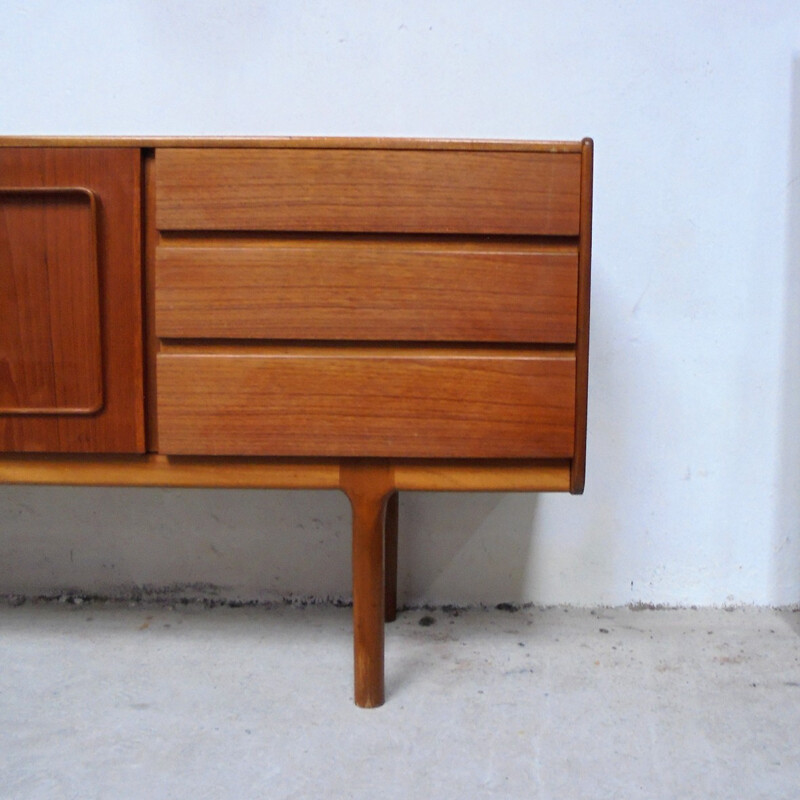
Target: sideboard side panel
578,470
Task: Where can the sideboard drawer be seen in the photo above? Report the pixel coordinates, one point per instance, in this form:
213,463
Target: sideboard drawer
385,289
369,190
400,402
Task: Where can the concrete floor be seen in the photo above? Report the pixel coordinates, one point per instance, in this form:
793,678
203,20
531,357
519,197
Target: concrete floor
102,700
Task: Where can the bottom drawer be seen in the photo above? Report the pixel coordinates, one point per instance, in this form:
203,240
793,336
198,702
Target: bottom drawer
400,403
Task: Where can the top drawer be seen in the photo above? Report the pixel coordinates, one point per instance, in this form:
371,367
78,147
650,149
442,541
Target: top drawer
362,190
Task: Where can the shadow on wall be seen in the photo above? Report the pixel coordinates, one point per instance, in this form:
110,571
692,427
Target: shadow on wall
228,543
462,548
786,537
791,618
254,545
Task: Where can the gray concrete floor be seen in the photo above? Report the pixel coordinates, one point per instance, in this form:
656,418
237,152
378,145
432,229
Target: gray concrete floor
102,700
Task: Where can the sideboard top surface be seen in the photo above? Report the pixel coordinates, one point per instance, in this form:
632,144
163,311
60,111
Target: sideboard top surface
330,142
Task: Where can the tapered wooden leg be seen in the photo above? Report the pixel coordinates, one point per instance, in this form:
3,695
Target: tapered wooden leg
368,488
390,557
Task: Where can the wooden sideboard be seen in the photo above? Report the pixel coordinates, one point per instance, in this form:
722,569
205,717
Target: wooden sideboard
373,315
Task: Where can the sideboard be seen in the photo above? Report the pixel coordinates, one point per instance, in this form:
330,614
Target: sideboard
372,315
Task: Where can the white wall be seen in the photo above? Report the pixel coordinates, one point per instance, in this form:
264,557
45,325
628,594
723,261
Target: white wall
693,484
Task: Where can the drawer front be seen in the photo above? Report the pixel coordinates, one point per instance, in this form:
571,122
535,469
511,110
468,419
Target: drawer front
369,290
395,191
402,403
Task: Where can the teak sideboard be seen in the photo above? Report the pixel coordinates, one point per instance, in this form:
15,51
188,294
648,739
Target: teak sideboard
372,315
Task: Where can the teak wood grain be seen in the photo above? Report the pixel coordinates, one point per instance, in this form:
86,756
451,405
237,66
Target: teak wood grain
415,191
368,290
427,475
376,403
50,360
112,175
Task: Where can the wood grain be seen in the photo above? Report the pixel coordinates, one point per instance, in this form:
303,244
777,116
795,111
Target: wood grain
483,476
278,473
368,290
113,177
375,402
415,191
50,359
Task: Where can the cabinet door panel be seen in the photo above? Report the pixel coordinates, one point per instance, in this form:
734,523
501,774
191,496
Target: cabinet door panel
70,300
50,361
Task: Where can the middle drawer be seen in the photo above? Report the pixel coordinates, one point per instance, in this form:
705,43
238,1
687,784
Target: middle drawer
370,288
